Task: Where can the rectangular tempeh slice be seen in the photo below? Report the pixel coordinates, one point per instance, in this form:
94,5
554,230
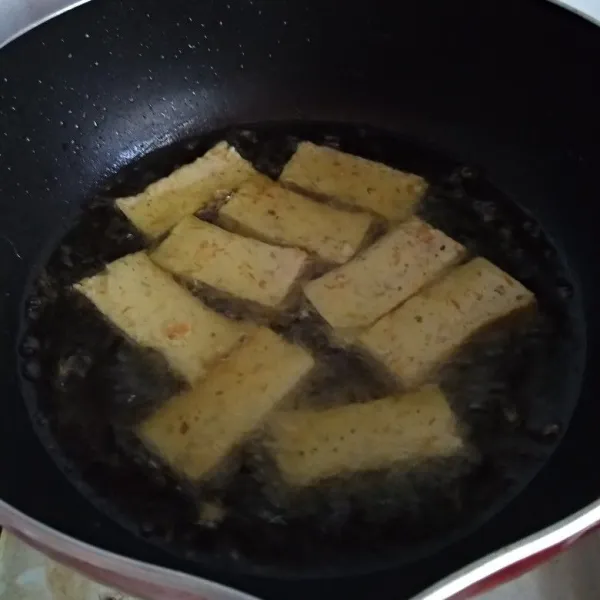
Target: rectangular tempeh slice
356,294
241,266
188,189
311,445
355,181
154,311
425,331
195,431
270,212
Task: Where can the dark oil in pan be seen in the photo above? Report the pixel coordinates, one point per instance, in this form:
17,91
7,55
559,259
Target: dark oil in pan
513,388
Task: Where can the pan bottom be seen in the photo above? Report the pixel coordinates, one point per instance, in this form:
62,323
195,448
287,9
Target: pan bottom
514,390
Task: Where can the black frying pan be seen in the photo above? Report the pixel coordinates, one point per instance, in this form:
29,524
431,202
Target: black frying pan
509,87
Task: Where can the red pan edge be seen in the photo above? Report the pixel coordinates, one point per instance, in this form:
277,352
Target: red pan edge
152,582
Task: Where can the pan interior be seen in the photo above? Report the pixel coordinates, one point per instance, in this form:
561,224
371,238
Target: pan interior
514,390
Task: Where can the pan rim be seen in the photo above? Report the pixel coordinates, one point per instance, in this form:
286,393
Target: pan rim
111,562
71,5
580,12
36,23
563,533
566,531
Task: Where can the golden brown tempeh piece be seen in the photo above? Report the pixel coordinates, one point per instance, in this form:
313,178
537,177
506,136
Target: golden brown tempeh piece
311,445
154,311
188,189
355,181
195,431
241,266
270,212
380,278
425,331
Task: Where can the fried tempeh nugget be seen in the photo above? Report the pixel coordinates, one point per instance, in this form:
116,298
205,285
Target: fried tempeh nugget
266,210
426,331
241,266
311,445
197,430
383,276
154,311
188,189
354,181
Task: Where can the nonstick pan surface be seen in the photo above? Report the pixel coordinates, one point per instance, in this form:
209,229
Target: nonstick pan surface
508,87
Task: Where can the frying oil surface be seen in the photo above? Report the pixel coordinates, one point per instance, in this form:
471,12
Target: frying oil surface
510,388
